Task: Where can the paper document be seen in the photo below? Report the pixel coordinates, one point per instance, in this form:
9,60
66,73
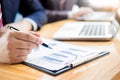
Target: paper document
61,56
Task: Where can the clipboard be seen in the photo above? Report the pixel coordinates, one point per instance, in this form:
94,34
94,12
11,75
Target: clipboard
63,58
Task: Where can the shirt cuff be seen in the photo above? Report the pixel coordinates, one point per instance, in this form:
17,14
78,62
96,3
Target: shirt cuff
34,24
75,9
69,14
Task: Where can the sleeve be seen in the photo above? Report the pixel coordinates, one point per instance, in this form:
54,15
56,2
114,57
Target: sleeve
56,15
53,11
83,3
32,9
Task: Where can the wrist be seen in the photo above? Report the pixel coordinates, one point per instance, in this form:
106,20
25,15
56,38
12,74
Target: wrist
33,23
23,25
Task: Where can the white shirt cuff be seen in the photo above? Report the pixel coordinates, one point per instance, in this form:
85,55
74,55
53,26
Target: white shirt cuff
69,14
75,9
34,24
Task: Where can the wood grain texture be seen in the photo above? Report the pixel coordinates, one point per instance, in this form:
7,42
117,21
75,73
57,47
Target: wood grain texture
104,68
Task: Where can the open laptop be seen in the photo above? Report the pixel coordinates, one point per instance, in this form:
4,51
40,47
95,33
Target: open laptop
87,30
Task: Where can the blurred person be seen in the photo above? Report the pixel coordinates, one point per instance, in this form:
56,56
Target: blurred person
15,45
62,9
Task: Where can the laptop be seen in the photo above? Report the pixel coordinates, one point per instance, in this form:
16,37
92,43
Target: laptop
87,30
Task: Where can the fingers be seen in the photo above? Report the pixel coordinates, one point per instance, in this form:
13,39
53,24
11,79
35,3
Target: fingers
13,60
86,10
21,44
18,55
34,33
28,37
17,45
82,11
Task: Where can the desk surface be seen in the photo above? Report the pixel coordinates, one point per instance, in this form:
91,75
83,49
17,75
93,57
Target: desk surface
104,68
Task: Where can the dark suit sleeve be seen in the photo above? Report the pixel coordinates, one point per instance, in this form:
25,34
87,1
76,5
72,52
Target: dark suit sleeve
33,9
53,11
56,15
83,3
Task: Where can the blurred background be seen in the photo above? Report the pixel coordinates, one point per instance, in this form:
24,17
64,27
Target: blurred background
107,5
98,5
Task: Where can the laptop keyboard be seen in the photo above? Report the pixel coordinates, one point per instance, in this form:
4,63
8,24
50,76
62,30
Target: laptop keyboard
93,30
99,30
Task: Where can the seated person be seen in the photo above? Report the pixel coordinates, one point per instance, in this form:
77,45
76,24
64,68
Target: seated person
16,45
61,9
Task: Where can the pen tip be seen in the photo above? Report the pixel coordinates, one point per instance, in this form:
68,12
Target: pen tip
50,48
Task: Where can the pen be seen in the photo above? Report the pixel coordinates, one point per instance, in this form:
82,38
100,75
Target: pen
43,44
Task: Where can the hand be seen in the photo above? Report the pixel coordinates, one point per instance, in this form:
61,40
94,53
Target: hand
16,45
82,11
22,25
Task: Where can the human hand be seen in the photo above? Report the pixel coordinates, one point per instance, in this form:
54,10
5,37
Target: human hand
81,11
22,25
16,45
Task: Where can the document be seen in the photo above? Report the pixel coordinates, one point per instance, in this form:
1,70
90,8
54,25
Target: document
61,57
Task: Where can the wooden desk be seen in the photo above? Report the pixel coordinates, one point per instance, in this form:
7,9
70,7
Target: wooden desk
104,68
